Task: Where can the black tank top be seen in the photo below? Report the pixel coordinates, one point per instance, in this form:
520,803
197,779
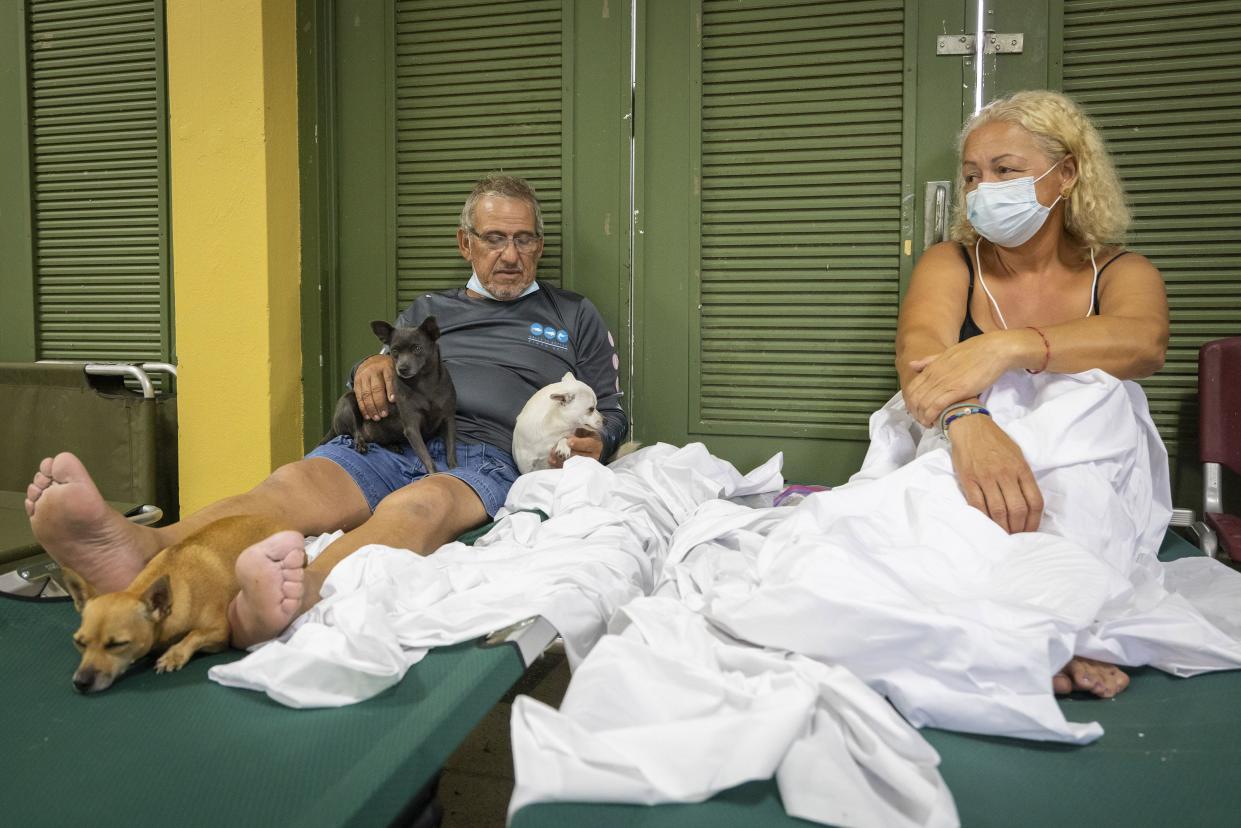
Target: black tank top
970,329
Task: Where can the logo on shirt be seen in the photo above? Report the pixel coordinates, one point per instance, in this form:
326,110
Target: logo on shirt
549,335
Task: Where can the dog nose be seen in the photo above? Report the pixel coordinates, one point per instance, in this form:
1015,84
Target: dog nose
83,683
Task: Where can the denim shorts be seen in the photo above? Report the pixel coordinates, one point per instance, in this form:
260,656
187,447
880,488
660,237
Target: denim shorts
382,470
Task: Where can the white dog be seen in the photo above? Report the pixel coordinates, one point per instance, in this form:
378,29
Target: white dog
550,418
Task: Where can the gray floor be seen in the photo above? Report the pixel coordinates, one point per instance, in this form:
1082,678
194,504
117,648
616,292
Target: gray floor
478,778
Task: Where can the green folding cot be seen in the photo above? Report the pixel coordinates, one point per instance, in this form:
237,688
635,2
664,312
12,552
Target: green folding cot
178,749
127,438
1168,757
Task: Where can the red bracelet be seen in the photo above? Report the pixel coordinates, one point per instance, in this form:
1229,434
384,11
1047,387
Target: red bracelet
1046,351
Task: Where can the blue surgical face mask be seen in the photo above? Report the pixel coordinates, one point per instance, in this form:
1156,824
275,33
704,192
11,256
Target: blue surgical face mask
1008,213
475,284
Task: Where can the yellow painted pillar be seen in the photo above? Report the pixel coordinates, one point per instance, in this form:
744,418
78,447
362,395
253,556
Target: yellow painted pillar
232,101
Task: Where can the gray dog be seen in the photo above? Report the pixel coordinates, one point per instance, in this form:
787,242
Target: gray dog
426,401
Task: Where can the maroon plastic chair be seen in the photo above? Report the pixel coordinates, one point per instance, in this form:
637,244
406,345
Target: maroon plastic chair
1219,430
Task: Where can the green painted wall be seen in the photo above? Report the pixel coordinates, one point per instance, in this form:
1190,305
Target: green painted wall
17,331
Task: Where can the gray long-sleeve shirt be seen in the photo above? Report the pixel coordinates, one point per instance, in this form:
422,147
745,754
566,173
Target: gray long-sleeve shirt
500,353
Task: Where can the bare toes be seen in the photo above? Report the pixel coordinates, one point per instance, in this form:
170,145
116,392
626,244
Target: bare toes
1098,677
271,576
72,522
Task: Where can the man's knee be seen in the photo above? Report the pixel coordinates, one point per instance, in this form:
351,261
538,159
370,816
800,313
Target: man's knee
294,478
313,495
313,481
425,500
440,501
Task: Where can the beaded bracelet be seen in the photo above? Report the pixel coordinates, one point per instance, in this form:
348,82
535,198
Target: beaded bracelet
943,415
1046,351
965,412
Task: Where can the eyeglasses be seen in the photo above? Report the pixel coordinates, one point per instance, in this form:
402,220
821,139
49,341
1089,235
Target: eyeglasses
525,242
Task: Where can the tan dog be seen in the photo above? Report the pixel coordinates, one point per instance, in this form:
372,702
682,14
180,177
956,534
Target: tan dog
182,593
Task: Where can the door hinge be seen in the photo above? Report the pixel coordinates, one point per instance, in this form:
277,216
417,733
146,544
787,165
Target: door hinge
995,44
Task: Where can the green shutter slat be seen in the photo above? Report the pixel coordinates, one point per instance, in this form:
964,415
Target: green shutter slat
1155,59
457,76
730,12
1163,80
762,98
1100,19
533,34
70,124
101,102
96,179
772,63
461,17
61,9
1090,11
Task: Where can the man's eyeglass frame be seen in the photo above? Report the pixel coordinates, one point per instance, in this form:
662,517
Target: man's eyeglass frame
497,242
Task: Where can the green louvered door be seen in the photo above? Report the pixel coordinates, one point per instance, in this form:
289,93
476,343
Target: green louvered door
778,226
97,177
470,101
801,166
1163,81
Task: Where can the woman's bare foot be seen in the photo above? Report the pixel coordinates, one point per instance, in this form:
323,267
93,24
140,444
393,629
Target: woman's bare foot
1098,677
79,530
272,576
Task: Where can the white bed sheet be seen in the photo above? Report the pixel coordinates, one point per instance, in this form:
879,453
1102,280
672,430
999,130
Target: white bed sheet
895,580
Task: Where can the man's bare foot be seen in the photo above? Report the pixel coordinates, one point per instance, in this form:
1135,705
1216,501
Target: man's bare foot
1098,677
272,577
79,530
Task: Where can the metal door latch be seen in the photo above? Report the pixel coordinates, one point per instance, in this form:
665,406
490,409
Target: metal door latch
996,44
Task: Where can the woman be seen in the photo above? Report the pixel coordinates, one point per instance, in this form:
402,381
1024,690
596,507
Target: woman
1034,279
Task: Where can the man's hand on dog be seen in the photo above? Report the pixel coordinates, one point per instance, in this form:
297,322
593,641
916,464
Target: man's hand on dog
583,443
373,383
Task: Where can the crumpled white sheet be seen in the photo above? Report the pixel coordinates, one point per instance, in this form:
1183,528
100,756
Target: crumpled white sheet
602,546
669,710
961,625
895,579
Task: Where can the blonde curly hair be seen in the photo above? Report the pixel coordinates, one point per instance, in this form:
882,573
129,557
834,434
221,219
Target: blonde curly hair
1095,212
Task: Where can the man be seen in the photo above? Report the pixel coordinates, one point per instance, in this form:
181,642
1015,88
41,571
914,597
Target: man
503,337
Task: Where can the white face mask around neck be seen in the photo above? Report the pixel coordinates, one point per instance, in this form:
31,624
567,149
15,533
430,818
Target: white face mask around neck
1008,213
475,284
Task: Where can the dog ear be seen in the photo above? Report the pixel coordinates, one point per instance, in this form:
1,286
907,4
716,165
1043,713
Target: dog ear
563,399
78,589
568,377
383,330
158,598
431,328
